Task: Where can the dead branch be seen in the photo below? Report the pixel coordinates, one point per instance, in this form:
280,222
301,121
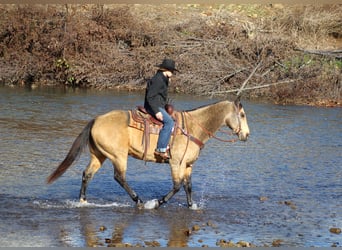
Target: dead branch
231,75
333,53
249,77
255,87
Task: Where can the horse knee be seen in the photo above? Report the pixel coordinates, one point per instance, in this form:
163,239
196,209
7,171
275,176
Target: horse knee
86,177
119,178
177,186
187,185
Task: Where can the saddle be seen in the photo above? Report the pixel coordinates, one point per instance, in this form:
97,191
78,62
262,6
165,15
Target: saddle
140,119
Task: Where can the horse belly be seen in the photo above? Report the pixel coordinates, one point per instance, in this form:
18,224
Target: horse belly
137,144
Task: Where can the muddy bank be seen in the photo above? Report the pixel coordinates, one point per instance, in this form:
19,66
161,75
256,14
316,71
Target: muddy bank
289,54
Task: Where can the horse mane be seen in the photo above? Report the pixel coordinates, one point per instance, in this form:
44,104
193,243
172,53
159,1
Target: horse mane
211,104
203,106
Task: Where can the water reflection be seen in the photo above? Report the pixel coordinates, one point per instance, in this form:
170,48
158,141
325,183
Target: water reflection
88,229
134,228
178,233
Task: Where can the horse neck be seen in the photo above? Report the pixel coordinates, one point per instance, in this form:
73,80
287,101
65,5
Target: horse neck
209,118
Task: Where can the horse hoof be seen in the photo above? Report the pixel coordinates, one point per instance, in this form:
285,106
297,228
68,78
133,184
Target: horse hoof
140,205
194,206
152,204
83,201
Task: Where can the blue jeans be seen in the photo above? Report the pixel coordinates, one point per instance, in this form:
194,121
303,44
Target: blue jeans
165,132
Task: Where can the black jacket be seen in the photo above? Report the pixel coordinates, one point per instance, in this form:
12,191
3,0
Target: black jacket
156,93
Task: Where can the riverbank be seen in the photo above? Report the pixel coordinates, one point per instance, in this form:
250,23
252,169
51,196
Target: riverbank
287,54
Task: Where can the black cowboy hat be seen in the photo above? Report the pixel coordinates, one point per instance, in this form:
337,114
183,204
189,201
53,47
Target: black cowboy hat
168,64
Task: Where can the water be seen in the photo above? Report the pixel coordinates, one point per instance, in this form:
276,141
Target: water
284,183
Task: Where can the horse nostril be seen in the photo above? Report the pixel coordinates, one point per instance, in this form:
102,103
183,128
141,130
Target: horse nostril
244,136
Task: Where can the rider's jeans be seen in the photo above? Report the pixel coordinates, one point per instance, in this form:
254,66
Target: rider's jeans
165,132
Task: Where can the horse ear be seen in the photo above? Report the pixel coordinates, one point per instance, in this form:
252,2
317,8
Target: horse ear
237,101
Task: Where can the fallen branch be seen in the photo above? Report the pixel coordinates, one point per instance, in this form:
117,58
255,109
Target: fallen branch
230,75
333,53
255,87
249,77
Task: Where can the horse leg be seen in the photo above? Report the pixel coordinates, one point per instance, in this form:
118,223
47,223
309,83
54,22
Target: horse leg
120,176
176,187
93,166
177,173
188,185
123,183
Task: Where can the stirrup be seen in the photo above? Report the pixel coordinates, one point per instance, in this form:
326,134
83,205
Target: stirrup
163,155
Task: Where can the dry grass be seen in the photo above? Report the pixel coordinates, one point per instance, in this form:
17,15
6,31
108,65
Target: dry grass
312,27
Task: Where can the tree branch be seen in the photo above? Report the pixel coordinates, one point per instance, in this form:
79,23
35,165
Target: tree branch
231,75
334,53
255,87
249,77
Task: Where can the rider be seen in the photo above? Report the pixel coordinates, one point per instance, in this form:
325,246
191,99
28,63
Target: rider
155,101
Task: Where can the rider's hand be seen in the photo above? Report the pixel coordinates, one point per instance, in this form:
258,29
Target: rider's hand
159,116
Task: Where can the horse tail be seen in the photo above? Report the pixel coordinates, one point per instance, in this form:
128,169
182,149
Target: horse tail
75,151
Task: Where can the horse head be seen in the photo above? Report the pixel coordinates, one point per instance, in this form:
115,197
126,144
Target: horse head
237,120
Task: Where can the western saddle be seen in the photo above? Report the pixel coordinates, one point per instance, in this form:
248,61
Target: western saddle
141,120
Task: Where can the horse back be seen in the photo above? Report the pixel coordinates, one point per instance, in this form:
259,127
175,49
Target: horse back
111,127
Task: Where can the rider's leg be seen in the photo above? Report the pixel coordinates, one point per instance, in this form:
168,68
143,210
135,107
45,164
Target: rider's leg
165,132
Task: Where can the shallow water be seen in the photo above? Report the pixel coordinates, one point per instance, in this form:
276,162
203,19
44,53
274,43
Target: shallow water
292,159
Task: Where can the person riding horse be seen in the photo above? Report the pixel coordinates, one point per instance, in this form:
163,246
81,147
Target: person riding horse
155,104
109,136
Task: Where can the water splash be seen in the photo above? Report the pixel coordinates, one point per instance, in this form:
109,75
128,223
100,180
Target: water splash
75,204
151,204
195,207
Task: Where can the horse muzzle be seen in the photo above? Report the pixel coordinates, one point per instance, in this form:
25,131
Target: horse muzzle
243,136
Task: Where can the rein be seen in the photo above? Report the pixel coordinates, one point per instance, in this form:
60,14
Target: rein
190,137
211,135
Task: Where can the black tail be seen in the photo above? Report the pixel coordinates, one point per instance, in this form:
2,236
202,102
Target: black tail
75,151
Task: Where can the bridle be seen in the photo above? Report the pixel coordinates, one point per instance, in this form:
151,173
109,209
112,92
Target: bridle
237,111
212,135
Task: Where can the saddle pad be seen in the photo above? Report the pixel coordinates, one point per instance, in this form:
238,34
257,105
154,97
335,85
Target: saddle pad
139,120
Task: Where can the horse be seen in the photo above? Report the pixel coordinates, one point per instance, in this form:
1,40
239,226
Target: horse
110,136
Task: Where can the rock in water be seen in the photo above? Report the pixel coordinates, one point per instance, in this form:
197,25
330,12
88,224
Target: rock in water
335,230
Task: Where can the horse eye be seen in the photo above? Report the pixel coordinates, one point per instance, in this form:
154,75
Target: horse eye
242,115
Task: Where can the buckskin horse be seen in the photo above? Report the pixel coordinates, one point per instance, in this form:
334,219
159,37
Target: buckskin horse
115,135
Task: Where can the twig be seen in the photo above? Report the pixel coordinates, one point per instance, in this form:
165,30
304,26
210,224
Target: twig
255,87
231,75
280,64
249,77
334,53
